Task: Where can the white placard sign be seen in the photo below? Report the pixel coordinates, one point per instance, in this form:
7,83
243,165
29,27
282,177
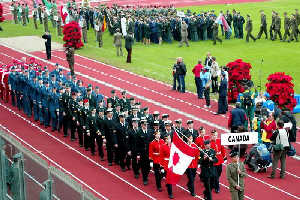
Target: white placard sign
180,14
97,28
239,138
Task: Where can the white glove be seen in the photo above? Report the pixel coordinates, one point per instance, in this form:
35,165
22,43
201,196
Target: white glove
151,164
162,171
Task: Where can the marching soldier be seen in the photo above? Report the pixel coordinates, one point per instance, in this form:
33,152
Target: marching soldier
263,25
154,156
132,133
207,160
286,27
249,28
277,27
142,150
236,173
80,121
23,13
54,108
92,129
45,103
86,113
27,12
74,115
109,131
122,138
66,98
190,129
293,26
118,42
61,104
272,27
70,58
100,134
297,16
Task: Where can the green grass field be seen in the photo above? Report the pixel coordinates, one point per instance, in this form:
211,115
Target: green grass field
156,61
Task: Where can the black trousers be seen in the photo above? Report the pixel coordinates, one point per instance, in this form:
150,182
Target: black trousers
86,140
207,186
222,105
191,174
207,96
263,29
92,142
135,166
214,83
99,141
199,87
66,125
176,82
13,97
48,52
129,51
80,135
73,129
144,164
110,151
215,180
157,174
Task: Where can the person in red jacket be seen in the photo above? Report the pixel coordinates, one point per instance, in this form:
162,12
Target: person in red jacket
164,160
201,138
192,169
196,71
215,144
154,155
267,127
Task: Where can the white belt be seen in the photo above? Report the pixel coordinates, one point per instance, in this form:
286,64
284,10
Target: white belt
166,158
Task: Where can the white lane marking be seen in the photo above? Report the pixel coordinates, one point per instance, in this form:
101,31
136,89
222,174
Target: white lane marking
151,101
139,86
43,155
75,150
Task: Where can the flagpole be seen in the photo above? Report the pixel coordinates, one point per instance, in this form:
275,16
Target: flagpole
238,166
194,144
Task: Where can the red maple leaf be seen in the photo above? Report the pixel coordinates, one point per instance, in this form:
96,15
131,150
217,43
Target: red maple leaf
175,159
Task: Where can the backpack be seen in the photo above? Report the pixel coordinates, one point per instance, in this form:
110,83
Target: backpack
247,100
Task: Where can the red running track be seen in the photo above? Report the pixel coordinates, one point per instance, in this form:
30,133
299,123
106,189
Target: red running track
277,189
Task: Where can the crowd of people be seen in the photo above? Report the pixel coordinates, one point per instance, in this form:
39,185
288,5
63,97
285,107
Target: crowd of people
157,24
135,139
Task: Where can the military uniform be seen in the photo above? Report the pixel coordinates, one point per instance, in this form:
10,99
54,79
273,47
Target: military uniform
118,43
184,35
84,30
45,19
99,33
249,28
293,26
15,14
35,15
263,26
58,25
286,28
24,21
277,28
70,58
128,46
215,34
232,177
208,171
92,130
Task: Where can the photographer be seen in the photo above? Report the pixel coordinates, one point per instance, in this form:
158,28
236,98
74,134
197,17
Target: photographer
179,72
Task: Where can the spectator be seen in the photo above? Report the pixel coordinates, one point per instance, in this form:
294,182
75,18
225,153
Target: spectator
208,60
197,70
269,104
288,117
268,126
281,146
206,82
180,71
214,75
237,118
222,102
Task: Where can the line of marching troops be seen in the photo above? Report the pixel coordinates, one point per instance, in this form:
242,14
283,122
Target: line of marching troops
132,137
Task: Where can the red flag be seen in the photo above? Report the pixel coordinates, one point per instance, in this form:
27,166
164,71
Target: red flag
181,155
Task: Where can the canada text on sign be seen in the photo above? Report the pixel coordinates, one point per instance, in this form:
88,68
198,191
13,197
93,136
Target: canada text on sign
239,138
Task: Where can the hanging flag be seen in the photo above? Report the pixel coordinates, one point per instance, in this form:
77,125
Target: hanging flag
104,24
181,155
64,14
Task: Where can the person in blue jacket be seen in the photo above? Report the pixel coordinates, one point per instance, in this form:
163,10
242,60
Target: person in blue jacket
54,108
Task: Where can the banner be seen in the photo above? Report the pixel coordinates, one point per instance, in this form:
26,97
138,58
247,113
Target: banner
180,14
239,138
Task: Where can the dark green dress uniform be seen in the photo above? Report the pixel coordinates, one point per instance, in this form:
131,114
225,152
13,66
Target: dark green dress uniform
232,177
208,171
23,13
58,25
215,33
293,26
46,28
193,28
123,143
109,132
286,27
66,98
80,123
15,13
235,26
86,113
35,16
277,27
40,14
249,28
263,26
100,134
84,30
70,58
272,27
240,24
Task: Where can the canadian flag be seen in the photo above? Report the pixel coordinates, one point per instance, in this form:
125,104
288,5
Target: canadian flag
181,155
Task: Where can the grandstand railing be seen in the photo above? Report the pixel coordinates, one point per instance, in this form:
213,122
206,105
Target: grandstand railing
37,170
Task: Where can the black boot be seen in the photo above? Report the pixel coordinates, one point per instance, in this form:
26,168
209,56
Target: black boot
170,193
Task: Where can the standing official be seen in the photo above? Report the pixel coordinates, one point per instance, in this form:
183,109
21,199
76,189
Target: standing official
47,37
118,42
215,33
222,102
128,46
184,34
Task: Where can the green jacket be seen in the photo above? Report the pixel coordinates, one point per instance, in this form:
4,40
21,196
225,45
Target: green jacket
128,41
232,175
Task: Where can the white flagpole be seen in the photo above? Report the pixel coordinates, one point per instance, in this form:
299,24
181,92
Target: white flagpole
238,165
